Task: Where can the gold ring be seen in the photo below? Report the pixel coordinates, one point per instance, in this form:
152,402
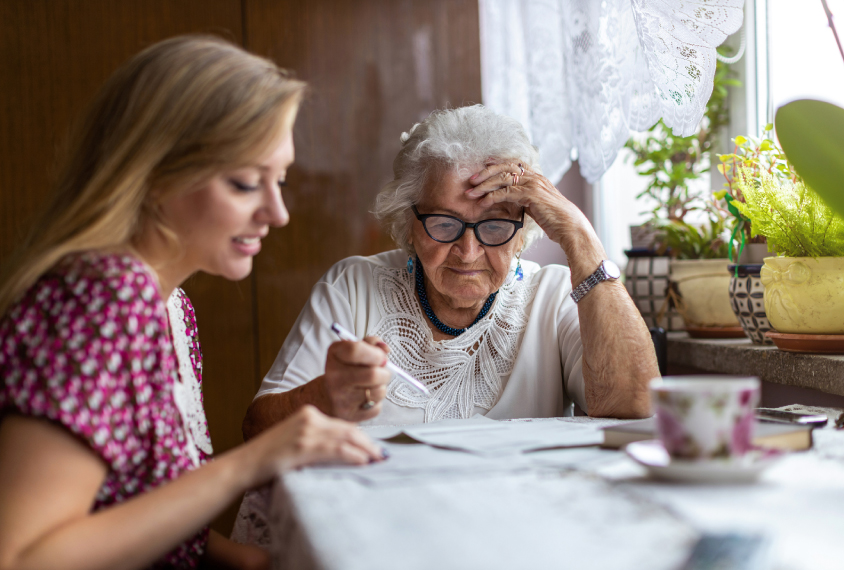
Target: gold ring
368,403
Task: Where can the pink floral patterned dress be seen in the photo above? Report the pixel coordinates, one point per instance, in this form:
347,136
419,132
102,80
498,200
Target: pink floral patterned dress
93,347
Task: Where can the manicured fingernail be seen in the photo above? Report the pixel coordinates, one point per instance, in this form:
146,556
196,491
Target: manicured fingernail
473,177
385,453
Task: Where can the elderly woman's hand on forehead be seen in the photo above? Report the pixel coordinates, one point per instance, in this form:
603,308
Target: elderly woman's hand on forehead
513,182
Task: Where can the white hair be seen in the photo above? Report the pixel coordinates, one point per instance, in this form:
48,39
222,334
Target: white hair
453,140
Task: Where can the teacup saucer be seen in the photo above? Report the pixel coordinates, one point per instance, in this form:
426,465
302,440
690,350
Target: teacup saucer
652,455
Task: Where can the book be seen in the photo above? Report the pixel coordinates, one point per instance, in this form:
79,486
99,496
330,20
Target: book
787,437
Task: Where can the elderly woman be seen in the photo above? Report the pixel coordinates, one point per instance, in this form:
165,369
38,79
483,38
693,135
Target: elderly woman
457,307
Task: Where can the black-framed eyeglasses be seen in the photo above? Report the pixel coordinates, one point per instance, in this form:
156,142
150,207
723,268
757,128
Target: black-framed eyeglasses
446,229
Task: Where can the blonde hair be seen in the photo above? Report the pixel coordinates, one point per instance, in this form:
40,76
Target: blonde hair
452,140
168,118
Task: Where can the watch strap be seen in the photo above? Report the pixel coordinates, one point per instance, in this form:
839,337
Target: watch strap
589,283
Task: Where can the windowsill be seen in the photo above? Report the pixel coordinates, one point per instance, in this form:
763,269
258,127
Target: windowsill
740,356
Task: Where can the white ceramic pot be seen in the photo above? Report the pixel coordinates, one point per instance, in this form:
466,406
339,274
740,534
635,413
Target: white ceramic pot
804,295
755,253
643,236
704,289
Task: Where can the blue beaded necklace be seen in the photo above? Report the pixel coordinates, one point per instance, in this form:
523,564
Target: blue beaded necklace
426,306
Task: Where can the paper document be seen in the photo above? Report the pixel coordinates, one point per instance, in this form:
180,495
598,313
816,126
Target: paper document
417,463
484,436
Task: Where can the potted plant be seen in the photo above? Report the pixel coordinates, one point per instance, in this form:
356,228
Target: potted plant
699,279
750,159
804,283
697,251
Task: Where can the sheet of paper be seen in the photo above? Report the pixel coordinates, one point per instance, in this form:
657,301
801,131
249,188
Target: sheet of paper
437,451
416,462
484,436
389,432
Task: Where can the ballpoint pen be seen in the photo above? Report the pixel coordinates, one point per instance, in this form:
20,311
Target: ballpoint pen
410,380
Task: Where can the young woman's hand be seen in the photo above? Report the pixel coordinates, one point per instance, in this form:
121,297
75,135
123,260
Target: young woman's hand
308,437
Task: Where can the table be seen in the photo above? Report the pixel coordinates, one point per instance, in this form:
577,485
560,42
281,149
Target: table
577,508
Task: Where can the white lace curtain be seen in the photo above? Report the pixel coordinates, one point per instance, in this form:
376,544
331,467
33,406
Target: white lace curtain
583,74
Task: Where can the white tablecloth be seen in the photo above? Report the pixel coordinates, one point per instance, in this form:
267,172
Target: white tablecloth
578,508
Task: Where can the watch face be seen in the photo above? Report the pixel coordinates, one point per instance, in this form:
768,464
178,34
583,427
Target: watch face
611,269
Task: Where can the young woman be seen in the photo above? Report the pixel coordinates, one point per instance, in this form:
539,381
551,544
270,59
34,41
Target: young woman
104,451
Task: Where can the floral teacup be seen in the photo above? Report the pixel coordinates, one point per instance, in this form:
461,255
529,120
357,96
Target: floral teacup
705,417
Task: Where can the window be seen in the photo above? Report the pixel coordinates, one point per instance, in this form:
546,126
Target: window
791,54
803,58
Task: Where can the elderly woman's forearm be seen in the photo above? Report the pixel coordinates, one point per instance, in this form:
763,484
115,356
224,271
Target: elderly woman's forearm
616,387
618,354
269,409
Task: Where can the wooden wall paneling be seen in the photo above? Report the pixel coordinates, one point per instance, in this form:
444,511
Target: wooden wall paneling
374,68
54,55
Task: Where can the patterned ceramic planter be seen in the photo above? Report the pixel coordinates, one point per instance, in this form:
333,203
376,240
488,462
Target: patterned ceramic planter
646,279
747,297
804,295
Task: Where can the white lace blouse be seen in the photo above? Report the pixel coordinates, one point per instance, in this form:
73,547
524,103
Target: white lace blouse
523,360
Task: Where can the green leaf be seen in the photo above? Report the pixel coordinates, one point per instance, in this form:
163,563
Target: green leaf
766,145
812,136
769,127
793,218
719,195
740,140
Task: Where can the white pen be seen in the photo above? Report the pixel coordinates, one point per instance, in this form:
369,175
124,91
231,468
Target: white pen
416,384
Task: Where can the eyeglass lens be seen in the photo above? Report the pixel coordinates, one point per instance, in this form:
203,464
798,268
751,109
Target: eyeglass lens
490,232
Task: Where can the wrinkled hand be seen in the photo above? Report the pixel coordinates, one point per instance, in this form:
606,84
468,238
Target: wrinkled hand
309,437
351,369
556,215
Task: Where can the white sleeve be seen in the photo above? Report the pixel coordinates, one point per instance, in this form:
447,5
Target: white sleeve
302,356
571,352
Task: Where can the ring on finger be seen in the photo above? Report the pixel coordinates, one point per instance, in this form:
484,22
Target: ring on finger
369,403
515,180
522,168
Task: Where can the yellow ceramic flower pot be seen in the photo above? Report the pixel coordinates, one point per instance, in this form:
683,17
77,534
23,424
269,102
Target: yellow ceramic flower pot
804,295
704,287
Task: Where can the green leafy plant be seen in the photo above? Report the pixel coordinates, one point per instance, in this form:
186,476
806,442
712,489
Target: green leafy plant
751,158
794,219
671,164
694,241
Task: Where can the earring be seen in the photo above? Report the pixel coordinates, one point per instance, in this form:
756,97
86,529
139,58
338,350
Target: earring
519,273
410,265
